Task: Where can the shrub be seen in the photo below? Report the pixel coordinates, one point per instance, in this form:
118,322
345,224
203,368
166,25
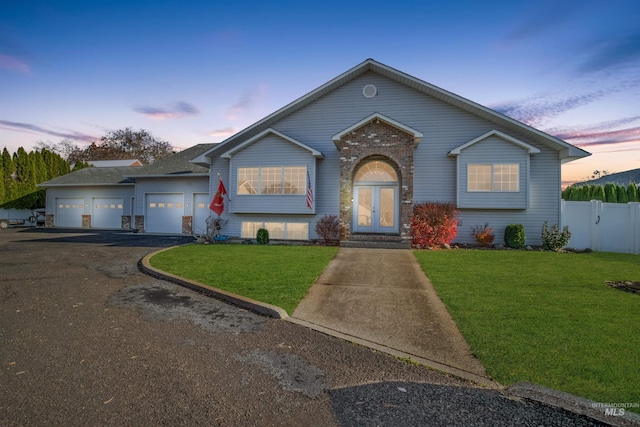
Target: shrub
553,239
483,234
328,227
433,224
263,236
632,192
514,236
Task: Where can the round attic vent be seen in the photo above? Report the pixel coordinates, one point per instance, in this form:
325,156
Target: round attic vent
369,91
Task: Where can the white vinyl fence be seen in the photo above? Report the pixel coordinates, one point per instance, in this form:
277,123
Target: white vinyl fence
606,227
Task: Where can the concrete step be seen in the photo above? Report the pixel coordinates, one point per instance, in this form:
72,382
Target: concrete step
375,244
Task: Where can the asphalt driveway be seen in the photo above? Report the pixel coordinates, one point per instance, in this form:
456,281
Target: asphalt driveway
86,339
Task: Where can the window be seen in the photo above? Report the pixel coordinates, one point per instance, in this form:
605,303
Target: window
493,177
273,180
277,230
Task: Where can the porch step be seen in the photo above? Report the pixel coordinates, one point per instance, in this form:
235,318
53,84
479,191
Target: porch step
375,241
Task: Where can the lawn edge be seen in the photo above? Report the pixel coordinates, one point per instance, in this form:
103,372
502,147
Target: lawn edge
258,307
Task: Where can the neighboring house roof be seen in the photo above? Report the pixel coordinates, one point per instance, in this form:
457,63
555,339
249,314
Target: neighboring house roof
177,164
622,178
93,176
112,163
530,149
174,165
270,131
566,151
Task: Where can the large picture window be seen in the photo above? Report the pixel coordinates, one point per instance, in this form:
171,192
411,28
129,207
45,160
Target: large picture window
277,230
274,180
493,177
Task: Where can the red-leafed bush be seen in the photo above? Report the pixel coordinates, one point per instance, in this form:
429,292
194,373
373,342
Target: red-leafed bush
433,224
483,234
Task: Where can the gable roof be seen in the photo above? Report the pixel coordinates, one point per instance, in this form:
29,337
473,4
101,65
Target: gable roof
417,135
567,152
530,148
93,176
270,131
177,164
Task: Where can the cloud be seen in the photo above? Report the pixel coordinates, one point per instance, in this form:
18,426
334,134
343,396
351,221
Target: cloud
548,15
74,136
540,109
178,110
223,132
588,139
247,101
14,64
611,52
600,134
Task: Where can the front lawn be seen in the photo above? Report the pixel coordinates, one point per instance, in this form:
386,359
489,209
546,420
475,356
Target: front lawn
546,317
278,275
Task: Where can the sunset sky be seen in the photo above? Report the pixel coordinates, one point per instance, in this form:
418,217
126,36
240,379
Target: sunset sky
198,71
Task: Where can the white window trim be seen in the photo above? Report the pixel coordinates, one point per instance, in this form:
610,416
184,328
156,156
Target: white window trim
303,188
493,178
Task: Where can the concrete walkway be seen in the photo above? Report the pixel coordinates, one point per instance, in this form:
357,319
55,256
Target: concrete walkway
381,298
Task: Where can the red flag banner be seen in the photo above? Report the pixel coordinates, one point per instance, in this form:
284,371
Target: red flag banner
217,204
309,192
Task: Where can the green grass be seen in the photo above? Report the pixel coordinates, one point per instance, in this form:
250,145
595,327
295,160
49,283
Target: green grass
278,275
546,317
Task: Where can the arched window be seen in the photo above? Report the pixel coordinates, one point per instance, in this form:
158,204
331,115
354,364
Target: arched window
376,171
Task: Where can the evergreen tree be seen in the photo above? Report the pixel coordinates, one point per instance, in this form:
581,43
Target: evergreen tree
598,193
1,183
610,193
25,180
8,175
621,194
632,192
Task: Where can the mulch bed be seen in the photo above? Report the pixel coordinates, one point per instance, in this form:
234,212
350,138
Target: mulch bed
627,286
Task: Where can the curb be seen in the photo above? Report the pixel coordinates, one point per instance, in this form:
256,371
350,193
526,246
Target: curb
575,404
231,298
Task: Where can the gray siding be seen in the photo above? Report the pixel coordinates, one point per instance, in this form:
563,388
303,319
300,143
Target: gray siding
444,126
491,151
186,186
87,194
270,151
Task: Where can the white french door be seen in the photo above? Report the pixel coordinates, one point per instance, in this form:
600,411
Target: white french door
375,209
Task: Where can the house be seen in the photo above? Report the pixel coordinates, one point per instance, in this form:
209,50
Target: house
372,142
365,147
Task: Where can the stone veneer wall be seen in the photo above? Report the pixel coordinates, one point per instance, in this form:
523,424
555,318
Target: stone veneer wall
86,221
187,225
139,223
126,222
376,140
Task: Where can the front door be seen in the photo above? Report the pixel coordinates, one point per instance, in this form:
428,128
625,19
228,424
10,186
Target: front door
375,209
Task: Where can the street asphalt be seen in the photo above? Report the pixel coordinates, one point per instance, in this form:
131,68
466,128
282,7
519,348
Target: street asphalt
88,339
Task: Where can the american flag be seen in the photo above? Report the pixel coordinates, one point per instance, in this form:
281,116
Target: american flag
309,192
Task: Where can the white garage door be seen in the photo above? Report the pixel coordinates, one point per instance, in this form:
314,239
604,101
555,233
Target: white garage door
69,212
164,213
200,213
107,212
